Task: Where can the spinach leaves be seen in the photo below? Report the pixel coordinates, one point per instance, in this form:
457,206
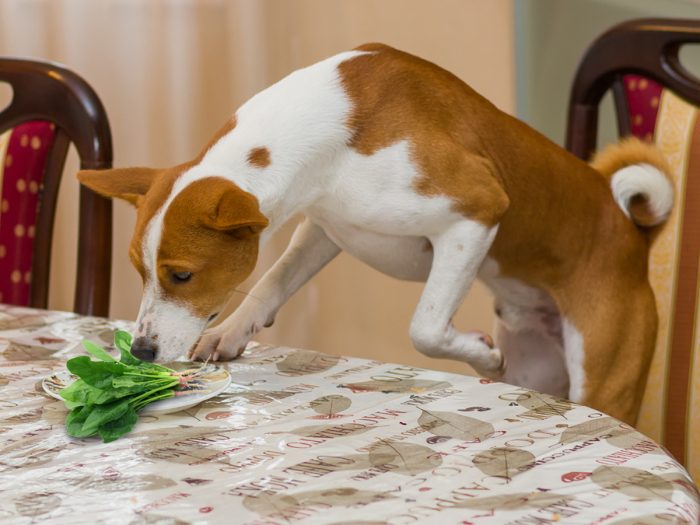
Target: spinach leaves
107,397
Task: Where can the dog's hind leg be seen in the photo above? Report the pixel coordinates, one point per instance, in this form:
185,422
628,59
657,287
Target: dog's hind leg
535,360
457,255
609,340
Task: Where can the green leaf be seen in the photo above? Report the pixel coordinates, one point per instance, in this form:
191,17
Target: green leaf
96,373
75,392
153,368
109,393
139,385
80,393
101,414
123,340
129,381
152,382
116,428
75,420
98,352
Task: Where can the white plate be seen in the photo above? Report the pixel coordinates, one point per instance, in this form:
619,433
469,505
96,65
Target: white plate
214,381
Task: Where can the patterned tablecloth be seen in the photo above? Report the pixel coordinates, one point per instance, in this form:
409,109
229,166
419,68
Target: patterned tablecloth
305,437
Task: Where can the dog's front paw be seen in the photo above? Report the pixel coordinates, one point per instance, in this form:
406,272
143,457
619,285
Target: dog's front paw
210,348
228,340
222,344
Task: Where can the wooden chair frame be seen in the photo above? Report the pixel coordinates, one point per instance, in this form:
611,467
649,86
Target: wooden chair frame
646,47
649,48
49,92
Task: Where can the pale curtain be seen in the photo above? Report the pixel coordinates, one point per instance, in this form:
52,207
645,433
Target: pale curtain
170,72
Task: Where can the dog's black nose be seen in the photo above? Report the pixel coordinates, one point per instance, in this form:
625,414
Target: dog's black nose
144,348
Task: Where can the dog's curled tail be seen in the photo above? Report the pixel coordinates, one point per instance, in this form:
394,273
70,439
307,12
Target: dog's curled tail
639,178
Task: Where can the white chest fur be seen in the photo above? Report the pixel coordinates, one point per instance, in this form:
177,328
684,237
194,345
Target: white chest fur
371,210
403,257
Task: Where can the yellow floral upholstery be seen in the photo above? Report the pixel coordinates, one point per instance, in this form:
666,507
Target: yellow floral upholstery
670,411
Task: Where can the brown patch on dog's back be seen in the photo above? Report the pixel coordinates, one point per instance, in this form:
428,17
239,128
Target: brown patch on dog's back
259,157
400,106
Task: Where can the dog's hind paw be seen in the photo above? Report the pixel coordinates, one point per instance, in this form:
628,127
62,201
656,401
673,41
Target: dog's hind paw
493,364
499,368
479,350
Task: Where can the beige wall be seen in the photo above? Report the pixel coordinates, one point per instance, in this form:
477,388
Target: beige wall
551,38
170,73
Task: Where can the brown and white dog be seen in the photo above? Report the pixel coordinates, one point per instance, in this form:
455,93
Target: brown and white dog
401,164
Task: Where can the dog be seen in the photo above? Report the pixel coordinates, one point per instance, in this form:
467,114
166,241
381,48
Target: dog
402,165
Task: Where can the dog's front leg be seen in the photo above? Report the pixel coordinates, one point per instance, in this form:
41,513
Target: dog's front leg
309,250
458,253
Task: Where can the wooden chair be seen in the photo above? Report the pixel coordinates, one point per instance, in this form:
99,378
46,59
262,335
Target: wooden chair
51,107
657,99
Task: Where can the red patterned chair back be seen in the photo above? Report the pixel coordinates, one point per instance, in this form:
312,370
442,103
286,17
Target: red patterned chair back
657,99
51,108
23,154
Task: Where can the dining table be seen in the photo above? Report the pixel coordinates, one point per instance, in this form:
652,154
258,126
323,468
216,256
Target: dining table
306,437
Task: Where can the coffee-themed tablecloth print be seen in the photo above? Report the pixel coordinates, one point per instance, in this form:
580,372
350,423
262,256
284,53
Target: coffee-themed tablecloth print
306,437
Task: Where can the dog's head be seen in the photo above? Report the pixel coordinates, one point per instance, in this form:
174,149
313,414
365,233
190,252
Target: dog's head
196,239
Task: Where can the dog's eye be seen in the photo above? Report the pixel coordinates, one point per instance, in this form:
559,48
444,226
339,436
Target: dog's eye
181,277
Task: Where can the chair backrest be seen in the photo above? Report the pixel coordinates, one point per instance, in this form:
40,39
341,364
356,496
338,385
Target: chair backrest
657,99
51,107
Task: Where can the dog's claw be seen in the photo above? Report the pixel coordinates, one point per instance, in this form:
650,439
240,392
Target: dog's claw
487,340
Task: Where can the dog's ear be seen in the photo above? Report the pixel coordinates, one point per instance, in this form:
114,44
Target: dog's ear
237,212
129,184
